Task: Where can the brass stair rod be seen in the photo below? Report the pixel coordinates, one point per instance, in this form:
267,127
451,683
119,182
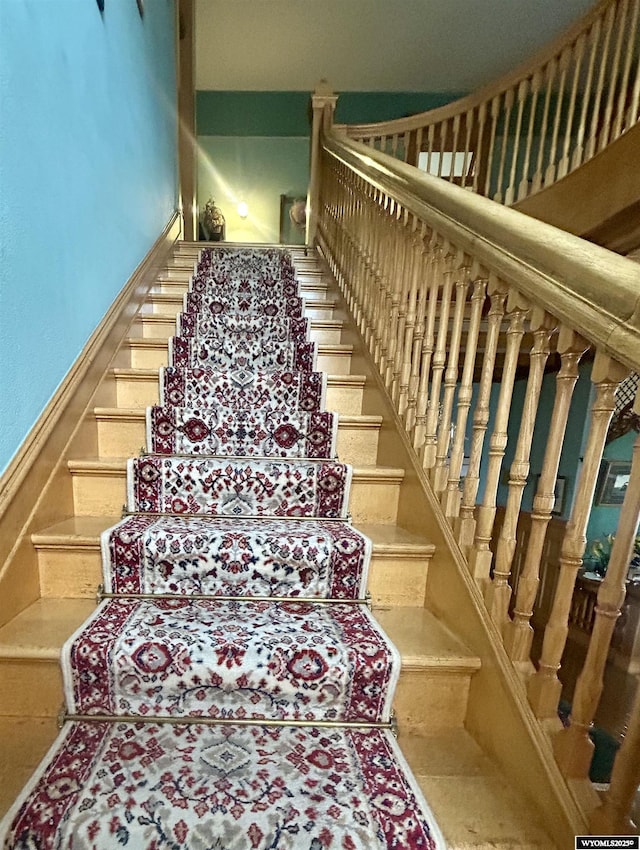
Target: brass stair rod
186,597
224,721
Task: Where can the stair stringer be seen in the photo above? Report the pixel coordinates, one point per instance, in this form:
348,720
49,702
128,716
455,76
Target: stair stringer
36,489
498,713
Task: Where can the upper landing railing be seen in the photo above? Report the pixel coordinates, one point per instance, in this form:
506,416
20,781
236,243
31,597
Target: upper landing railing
458,299
531,128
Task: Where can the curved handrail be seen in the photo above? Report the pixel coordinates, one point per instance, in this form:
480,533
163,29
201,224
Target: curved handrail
537,123
589,288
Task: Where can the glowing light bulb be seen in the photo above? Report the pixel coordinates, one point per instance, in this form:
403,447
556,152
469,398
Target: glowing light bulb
243,209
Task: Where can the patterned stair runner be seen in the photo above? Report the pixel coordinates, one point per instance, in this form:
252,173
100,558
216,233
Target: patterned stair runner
232,691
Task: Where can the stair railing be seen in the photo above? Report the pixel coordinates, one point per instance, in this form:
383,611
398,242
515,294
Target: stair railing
531,128
462,303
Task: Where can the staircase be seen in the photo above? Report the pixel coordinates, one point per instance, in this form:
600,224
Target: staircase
475,804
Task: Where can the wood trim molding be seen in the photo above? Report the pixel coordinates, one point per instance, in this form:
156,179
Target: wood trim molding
34,489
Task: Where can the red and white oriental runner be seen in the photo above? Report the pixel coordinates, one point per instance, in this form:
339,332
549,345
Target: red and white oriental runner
233,692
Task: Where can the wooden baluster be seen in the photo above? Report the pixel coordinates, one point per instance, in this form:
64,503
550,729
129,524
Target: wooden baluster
523,90
495,112
468,118
466,526
440,468
454,147
544,687
605,132
536,183
430,143
382,283
612,817
632,43
572,747
518,633
394,145
408,146
399,274
411,324
419,132
444,130
634,101
481,557
578,151
563,65
603,63
438,361
563,164
523,188
385,296
498,594
422,395
478,166
452,495
396,346
423,299
509,99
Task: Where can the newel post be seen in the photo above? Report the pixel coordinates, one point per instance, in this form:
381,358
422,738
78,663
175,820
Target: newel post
323,103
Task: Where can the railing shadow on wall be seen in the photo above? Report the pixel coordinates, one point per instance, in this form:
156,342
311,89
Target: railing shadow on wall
533,127
458,299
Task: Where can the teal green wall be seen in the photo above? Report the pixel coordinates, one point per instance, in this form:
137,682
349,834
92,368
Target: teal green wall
254,146
254,169
87,180
604,520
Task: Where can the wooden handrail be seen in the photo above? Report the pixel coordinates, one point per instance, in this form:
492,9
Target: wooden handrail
591,289
541,121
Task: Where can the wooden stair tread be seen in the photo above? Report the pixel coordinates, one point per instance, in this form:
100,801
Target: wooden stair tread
423,641
75,531
450,768
86,531
392,540
39,631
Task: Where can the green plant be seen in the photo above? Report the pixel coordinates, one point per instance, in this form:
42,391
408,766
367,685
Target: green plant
599,553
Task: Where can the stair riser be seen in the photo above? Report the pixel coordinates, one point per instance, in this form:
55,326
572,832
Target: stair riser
428,701
424,702
30,688
163,328
76,571
153,357
142,391
98,492
125,437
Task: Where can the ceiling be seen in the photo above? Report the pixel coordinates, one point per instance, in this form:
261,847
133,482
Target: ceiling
371,45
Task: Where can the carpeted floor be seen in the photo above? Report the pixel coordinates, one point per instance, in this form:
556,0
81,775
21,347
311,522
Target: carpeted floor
232,690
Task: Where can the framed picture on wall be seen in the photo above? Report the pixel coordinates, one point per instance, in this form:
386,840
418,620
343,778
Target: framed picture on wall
612,482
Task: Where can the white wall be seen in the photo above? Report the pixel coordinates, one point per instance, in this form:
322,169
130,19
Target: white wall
371,45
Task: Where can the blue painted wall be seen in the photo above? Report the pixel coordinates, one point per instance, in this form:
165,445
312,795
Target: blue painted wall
88,179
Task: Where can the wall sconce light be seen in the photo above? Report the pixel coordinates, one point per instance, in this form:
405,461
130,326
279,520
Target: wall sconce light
243,209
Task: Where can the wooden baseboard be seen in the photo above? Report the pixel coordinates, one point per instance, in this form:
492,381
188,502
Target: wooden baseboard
35,490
